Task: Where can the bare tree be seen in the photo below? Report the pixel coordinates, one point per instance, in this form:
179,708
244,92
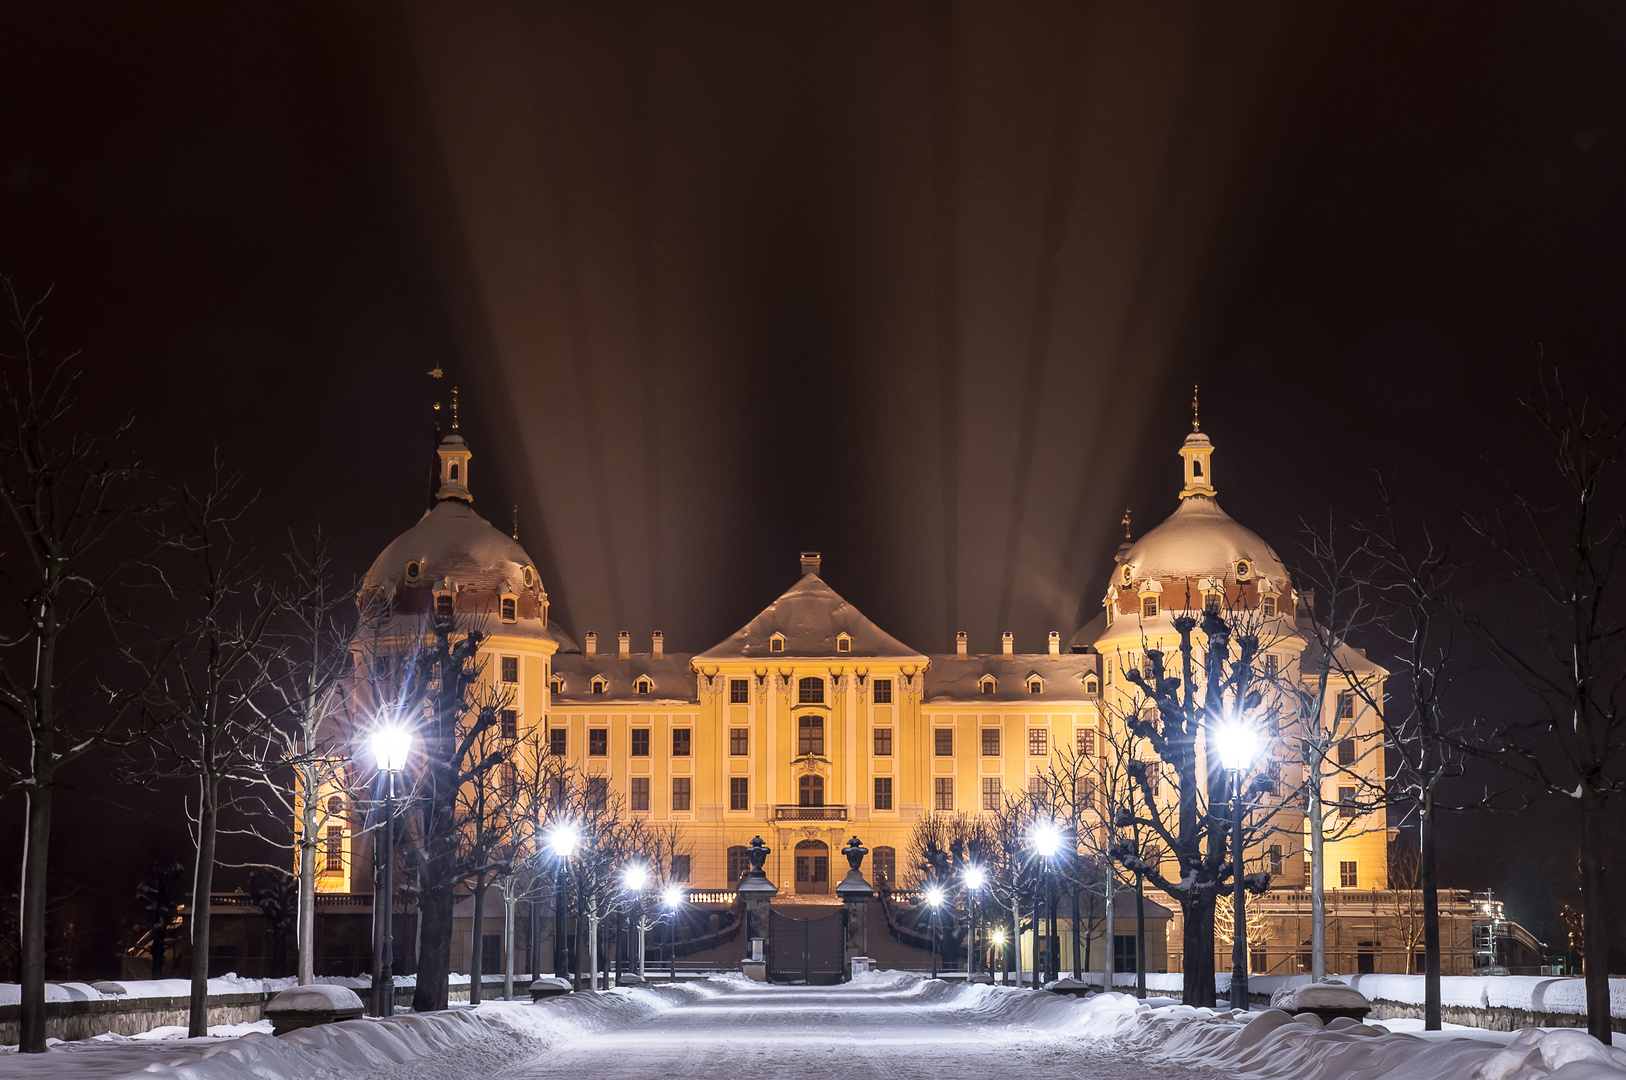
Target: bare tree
212,729
276,894
68,497
1563,549
159,898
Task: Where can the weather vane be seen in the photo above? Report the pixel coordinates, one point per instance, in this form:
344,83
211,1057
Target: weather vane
454,408
516,521
1194,426
1126,523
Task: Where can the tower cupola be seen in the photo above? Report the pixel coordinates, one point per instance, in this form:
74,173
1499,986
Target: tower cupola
454,469
1197,453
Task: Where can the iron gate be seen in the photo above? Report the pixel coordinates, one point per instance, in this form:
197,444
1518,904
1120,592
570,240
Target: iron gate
806,950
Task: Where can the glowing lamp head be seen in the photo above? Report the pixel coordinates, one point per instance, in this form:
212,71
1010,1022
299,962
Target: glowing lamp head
672,896
999,937
391,744
563,838
1236,743
934,896
1046,840
635,876
976,877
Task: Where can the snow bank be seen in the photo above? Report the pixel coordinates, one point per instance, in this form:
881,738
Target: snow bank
127,989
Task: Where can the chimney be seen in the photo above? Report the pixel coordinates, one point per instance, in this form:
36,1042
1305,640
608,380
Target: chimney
1008,641
959,643
1055,643
623,645
591,648
810,563
659,647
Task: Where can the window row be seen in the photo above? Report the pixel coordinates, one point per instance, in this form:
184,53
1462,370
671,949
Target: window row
810,740
1038,741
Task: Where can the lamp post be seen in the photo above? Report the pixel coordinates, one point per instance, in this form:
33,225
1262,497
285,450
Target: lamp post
934,898
975,878
636,878
1046,840
391,744
672,898
562,841
1237,742
998,937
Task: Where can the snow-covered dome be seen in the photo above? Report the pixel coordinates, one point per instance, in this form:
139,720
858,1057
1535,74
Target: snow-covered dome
1199,540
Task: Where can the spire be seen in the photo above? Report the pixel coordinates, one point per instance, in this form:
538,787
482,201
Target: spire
516,521
1123,548
454,411
1125,523
1195,426
454,457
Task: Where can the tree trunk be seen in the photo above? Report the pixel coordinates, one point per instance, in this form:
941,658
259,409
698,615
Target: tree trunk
508,902
305,935
1595,925
1318,889
202,886
435,955
1197,938
35,851
160,945
1140,936
1078,927
1431,920
477,935
1110,946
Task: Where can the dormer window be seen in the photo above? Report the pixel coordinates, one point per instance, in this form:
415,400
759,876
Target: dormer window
1244,570
1127,575
414,570
1267,607
1148,606
443,605
598,685
844,643
987,684
776,643
1212,599
1092,686
556,686
1035,684
643,686
528,576
510,609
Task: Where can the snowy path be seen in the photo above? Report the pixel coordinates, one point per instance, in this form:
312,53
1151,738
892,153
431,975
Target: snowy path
846,1032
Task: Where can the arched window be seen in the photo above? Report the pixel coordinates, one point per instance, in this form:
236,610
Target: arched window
1035,685
812,866
884,866
810,791
453,472
739,861
810,691
1148,606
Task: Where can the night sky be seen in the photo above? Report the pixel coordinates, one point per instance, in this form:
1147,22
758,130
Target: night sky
923,286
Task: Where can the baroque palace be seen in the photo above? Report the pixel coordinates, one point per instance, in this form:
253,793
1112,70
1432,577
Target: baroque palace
811,723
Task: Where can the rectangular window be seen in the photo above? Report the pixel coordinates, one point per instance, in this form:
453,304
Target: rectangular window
1348,878
739,691
1148,607
510,669
810,736
1272,665
943,793
1346,705
739,793
1257,961
991,794
510,609
1038,741
810,691
640,742
680,793
990,742
1154,778
556,741
680,868
739,741
1346,751
640,793
598,742
510,724
1346,797
680,742
1086,742
883,793
944,741
333,848
883,691
598,793
1267,607
1036,789
883,742
1084,792
1275,862
510,778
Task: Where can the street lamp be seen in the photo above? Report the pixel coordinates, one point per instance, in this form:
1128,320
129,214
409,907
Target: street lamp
1046,841
934,897
391,745
975,878
636,878
672,899
1237,743
562,840
998,937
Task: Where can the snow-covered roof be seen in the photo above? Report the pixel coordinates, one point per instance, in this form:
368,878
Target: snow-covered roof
810,615
1088,634
959,678
1346,658
673,678
1201,540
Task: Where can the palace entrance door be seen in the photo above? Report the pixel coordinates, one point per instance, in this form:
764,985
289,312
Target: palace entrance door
813,867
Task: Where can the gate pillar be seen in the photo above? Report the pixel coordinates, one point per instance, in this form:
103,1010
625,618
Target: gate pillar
757,893
854,892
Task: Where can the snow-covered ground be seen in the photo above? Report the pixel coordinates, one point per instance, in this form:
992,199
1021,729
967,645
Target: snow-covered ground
885,1025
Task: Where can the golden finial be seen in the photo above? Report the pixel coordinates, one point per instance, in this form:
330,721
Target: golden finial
1126,523
435,372
516,521
454,408
1194,426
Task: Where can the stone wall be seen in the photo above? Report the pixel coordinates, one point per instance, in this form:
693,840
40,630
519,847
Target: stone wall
69,1020
1491,1019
